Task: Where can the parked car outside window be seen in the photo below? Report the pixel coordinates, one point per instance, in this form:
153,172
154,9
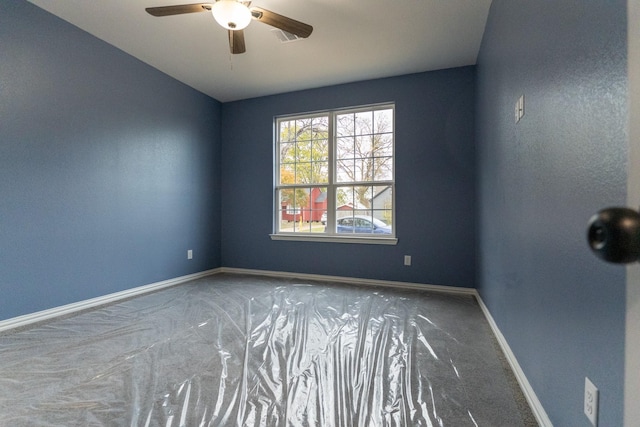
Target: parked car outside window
323,218
362,224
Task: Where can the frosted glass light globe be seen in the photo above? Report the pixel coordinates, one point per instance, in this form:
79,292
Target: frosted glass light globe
231,14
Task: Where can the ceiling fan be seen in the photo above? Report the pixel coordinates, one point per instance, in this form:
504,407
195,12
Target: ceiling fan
235,15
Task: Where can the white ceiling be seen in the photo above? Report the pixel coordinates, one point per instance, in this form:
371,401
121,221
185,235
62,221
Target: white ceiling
352,40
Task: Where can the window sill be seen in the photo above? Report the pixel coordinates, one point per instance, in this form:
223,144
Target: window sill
336,239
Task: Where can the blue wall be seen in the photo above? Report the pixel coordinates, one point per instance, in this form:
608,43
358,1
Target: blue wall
561,310
109,169
435,177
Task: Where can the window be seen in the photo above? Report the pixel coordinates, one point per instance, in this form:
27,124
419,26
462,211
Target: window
334,174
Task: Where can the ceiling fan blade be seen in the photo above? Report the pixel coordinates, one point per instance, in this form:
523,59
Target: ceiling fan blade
236,41
289,25
179,9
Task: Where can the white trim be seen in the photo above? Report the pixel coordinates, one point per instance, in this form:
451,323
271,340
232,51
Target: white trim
352,280
39,316
632,348
536,407
335,239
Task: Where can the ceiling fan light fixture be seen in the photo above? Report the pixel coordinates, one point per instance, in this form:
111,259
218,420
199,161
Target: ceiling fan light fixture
231,14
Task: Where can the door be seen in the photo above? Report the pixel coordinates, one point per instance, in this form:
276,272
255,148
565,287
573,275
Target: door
632,341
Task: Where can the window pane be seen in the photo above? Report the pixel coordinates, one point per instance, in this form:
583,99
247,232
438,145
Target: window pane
364,123
382,169
320,127
303,151
356,199
364,209
320,172
345,148
383,121
301,209
320,157
364,146
303,129
345,171
364,151
382,145
287,131
382,203
287,173
287,152
320,150
345,125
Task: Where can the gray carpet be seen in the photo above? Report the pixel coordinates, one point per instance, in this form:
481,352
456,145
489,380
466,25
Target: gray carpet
254,351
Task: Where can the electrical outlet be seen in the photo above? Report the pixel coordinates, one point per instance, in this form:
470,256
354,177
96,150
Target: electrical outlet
591,401
519,108
407,260
190,254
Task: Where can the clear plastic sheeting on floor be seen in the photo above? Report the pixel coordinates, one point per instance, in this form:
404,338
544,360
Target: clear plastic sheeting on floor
232,350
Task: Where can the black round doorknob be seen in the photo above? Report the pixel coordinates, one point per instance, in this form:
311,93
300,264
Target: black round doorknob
614,235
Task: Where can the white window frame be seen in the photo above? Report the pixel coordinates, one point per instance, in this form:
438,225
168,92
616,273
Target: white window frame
330,235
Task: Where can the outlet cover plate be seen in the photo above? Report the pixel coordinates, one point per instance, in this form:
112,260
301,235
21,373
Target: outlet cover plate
519,108
591,401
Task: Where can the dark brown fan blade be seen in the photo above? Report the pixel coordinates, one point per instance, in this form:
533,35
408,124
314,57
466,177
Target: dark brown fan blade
179,9
236,41
289,25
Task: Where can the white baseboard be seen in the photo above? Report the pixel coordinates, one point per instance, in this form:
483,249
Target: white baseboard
39,316
536,407
353,280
